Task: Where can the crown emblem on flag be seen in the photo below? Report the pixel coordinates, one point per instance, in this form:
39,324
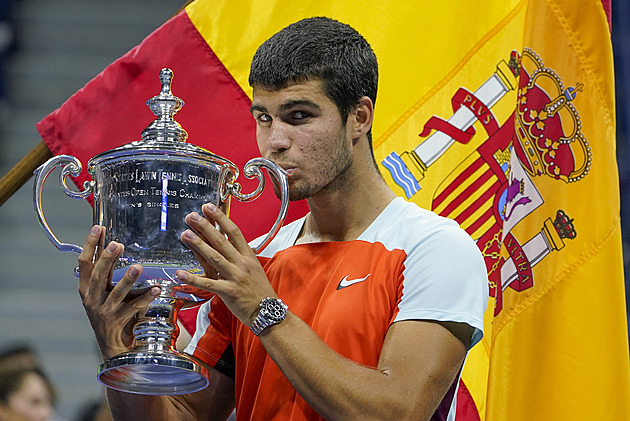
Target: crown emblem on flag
564,225
548,126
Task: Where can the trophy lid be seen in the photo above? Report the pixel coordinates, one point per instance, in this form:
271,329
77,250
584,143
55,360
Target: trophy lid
164,136
164,106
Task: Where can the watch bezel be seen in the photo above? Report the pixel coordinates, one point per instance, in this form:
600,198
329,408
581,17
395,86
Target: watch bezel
273,308
265,317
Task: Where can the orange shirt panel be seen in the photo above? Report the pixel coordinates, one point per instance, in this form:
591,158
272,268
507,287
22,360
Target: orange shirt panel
347,292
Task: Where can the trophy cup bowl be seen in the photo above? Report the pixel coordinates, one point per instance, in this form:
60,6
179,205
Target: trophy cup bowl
142,192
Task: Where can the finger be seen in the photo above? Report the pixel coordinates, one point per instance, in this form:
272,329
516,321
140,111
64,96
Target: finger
140,303
204,252
102,271
122,288
208,270
193,220
233,232
209,234
197,281
86,259
101,244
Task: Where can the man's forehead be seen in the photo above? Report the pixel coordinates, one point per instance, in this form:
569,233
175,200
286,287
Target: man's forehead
293,90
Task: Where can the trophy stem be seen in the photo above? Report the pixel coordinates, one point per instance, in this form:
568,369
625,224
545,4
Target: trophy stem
157,329
154,335
153,366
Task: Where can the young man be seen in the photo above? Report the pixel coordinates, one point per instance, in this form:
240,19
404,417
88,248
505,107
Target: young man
384,298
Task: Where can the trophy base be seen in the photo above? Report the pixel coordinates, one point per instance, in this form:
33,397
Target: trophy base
153,373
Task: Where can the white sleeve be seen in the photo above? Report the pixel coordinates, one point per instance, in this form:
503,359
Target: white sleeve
445,279
203,321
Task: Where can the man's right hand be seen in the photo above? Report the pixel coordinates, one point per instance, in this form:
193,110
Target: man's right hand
111,317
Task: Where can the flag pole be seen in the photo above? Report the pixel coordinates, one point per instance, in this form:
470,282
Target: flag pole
23,170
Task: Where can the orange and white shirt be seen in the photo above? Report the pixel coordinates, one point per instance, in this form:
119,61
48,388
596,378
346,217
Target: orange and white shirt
408,264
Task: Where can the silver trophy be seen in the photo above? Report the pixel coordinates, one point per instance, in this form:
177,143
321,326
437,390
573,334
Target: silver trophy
141,193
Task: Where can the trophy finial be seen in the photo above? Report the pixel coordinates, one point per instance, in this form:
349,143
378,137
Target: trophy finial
164,106
166,77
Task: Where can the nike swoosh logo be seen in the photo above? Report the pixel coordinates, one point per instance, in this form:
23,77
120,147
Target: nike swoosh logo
345,282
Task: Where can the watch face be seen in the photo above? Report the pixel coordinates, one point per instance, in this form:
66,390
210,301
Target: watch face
275,309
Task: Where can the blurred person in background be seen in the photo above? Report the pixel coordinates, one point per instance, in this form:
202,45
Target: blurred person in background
26,394
21,355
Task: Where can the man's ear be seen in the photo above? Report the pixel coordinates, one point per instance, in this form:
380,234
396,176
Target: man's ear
361,116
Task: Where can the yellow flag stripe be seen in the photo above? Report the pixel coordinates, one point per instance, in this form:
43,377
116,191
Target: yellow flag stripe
604,110
484,40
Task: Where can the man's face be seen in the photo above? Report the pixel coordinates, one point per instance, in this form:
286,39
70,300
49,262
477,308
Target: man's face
300,129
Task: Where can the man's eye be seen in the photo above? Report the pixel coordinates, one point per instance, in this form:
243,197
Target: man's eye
300,115
263,118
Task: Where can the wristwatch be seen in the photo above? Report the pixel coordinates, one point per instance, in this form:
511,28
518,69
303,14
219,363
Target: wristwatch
272,311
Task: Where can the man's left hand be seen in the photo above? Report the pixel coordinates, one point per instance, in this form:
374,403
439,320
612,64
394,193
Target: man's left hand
241,282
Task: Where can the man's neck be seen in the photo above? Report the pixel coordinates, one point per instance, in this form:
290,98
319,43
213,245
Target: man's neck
343,214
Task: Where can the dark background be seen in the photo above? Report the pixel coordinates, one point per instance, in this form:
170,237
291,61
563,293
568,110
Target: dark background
621,48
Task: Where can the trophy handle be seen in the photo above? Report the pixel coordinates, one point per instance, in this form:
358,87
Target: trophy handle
251,170
71,166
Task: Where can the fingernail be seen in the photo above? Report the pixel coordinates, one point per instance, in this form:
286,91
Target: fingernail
182,276
189,234
96,230
195,217
155,291
210,207
112,247
134,271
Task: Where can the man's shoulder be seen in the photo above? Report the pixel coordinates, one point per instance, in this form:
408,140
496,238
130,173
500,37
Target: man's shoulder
405,224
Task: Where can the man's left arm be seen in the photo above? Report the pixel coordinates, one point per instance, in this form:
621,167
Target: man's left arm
418,363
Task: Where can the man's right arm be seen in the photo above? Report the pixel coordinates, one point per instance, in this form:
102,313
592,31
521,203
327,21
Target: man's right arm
111,317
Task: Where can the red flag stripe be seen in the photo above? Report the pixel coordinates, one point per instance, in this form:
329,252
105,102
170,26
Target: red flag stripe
457,182
478,203
216,114
467,192
480,221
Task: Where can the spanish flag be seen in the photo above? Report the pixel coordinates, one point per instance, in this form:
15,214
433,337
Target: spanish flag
497,114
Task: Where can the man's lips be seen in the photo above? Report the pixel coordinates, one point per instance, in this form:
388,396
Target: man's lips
288,168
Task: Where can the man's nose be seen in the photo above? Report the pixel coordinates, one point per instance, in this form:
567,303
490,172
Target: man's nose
277,138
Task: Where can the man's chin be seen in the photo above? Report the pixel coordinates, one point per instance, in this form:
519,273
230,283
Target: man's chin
294,194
